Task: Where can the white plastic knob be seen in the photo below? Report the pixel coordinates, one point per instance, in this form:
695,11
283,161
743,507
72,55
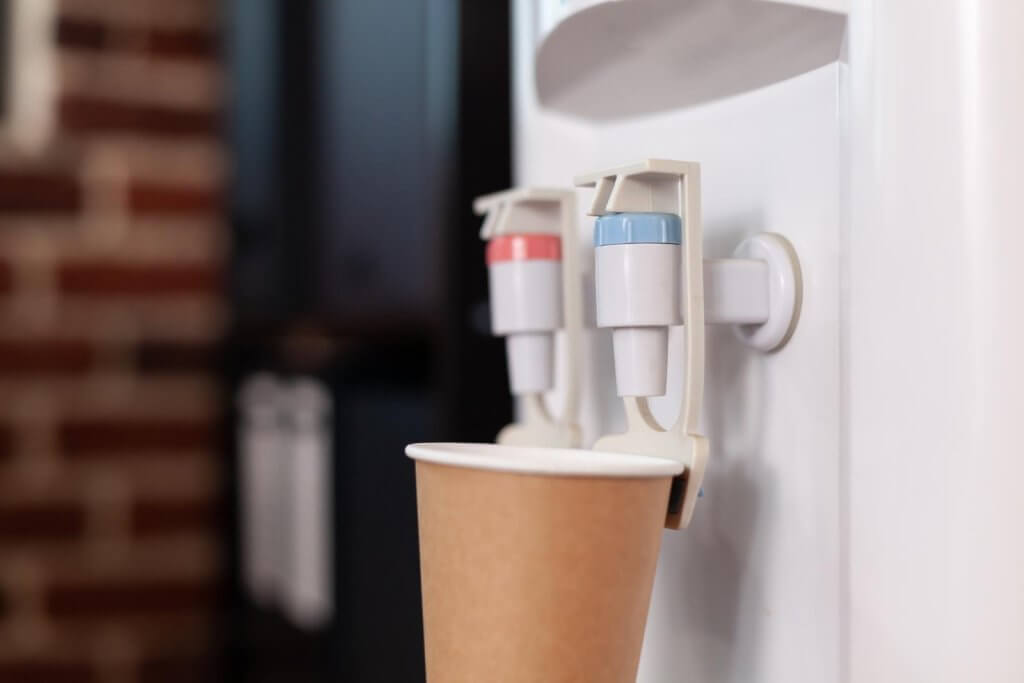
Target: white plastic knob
526,296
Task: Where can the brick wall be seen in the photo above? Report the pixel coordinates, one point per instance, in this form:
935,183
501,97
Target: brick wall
112,243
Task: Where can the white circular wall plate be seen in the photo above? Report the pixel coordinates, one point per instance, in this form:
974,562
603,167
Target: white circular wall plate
785,291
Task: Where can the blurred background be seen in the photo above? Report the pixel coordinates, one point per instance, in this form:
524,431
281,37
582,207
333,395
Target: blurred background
238,273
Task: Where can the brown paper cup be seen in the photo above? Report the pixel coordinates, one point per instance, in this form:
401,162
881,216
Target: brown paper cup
537,564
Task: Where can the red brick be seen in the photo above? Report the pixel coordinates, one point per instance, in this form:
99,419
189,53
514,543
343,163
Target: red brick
6,443
171,42
175,667
151,198
42,356
46,669
130,442
112,598
182,43
157,518
118,437
104,278
40,521
173,357
38,192
86,114
81,33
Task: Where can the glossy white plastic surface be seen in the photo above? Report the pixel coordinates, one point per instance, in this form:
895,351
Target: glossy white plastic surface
751,590
641,360
933,332
782,286
860,518
658,55
758,290
736,291
637,284
638,295
526,296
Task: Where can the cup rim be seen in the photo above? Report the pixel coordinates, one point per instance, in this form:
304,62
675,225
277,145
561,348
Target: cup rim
571,462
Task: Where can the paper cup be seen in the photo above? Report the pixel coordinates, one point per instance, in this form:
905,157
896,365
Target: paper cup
537,563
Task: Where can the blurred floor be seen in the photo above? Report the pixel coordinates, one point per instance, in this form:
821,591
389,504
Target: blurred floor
112,245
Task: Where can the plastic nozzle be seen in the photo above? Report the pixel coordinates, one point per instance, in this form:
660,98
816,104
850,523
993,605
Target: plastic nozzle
641,360
531,362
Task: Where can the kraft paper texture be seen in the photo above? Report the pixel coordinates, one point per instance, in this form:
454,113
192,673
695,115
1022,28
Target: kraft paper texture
536,579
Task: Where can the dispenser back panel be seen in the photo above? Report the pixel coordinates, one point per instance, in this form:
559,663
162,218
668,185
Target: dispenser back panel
751,591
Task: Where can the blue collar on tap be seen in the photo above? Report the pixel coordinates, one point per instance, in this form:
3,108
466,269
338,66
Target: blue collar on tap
638,228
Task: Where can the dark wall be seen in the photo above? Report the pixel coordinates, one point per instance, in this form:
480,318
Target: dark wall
478,398
361,133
